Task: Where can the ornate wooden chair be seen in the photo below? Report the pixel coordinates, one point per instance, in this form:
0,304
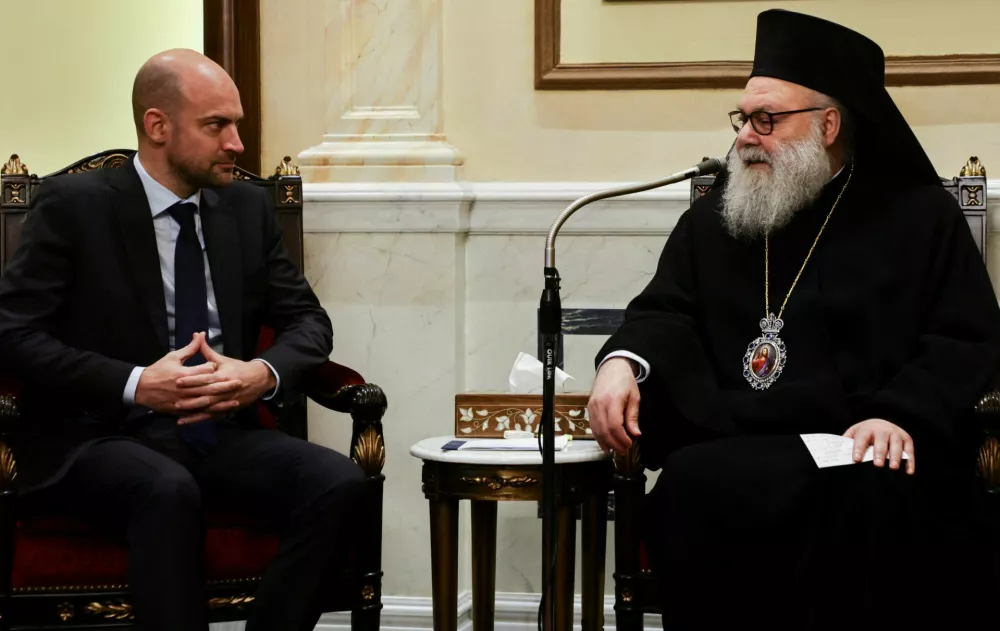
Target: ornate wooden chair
58,573
636,586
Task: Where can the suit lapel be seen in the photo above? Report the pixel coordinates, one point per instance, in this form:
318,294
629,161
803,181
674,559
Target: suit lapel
136,223
225,257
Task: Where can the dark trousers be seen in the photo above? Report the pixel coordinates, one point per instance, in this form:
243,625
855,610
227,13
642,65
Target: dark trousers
748,533
151,490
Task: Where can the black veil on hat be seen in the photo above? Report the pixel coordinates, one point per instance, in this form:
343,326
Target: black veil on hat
849,67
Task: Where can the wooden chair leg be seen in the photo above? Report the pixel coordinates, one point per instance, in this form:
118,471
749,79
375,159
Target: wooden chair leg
366,620
629,620
8,521
367,616
629,485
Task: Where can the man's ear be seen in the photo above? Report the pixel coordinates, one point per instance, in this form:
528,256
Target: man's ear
157,125
831,126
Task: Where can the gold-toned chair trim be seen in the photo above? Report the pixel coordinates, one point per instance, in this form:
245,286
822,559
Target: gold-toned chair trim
369,451
14,166
286,168
8,467
989,403
973,168
121,587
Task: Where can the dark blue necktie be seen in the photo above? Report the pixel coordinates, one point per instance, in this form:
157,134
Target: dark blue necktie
190,308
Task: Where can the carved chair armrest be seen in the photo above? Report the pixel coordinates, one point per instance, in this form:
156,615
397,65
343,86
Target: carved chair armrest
989,403
341,389
9,389
988,458
629,487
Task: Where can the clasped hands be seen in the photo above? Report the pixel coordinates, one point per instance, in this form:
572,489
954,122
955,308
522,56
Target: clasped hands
613,410
197,393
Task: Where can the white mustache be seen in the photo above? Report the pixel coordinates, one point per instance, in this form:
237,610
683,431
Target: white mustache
754,154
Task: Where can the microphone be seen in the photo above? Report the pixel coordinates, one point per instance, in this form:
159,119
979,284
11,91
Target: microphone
549,327
706,167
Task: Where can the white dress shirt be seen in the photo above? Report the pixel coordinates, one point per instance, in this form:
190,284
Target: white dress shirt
167,230
644,368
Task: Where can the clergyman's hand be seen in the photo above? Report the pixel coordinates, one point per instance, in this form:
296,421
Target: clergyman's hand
158,389
253,379
888,440
614,405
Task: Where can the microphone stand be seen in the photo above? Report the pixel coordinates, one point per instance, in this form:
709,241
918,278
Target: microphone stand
549,329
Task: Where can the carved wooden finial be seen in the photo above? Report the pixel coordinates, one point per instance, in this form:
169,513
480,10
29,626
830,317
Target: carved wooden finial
14,166
286,167
973,168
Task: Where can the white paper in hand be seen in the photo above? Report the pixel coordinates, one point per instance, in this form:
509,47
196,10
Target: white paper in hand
831,450
526,376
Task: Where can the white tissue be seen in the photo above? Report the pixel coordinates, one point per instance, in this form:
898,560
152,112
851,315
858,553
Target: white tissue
526,376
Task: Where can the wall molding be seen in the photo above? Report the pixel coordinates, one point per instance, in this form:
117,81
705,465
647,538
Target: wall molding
503,208
552,74
514,612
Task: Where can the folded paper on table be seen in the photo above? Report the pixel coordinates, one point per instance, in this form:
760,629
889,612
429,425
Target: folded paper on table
831,450
503,444
526,376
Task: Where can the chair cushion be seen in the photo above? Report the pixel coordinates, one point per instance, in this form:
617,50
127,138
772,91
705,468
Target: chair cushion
54,551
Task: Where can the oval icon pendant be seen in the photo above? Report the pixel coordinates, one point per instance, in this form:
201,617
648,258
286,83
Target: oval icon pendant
765,356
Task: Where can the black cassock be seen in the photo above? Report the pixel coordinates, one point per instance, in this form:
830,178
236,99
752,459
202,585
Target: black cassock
894,318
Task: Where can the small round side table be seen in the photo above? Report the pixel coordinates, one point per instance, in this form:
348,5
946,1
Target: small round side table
487,477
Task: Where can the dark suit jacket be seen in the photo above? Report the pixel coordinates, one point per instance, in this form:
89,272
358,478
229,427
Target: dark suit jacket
81,304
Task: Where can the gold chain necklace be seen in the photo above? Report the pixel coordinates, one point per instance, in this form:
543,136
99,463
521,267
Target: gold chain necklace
765,357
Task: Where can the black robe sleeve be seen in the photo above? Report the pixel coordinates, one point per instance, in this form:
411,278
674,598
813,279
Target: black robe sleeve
662,326
956,352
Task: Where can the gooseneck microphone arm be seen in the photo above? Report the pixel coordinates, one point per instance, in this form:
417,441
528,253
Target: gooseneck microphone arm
549,328
707,167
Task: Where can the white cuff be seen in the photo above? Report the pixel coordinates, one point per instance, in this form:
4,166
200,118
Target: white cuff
128,397
644,369
277,379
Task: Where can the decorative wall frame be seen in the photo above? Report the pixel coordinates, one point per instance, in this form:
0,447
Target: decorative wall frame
552,74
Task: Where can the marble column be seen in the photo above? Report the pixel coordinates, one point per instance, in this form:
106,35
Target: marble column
383,96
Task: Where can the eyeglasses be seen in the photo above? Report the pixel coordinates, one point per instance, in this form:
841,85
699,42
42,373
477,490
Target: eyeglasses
763,122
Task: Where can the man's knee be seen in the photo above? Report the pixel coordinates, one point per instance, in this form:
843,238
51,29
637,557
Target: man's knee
170,490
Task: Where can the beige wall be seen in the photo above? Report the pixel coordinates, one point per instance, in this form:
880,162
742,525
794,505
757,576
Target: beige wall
509,131
672,30
293,71
68,69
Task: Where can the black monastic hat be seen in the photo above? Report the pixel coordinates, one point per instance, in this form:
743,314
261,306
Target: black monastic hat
849,67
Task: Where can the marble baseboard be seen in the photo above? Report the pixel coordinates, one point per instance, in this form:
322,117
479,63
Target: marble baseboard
515,611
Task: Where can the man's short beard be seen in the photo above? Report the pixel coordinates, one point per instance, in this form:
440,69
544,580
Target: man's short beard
756,202
196,178
196,174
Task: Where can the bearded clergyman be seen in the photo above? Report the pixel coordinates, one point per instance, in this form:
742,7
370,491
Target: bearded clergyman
811,292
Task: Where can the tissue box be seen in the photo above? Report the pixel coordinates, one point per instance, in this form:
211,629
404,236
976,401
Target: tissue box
487,415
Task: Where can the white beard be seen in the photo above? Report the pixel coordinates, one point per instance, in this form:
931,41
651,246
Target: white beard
756,202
